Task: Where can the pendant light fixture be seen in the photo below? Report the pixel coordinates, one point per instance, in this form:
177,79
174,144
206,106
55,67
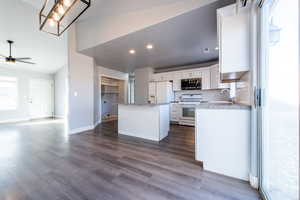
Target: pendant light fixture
56,16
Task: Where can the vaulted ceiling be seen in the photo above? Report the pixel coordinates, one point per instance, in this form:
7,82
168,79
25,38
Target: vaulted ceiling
19,22
179,31
177,41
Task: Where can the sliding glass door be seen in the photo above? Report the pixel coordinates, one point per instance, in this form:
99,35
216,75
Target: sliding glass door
279,111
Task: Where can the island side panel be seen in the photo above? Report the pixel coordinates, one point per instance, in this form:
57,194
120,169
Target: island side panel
164,118
141,121
223,141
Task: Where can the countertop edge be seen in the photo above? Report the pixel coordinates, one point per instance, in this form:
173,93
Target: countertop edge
159,104
224,106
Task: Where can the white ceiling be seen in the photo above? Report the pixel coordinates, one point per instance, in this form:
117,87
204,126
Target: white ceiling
101,8
177,41
19,22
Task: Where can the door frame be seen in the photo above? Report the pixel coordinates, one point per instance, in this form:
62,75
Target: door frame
52,98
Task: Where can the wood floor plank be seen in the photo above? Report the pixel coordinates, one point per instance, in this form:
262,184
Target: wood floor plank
40,161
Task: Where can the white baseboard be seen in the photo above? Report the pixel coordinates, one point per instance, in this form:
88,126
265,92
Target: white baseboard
59,116
97,123
14,120
81,129
253,181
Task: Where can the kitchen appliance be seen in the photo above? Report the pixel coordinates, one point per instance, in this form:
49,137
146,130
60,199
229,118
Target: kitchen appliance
191,84
160,92
188,103
187,114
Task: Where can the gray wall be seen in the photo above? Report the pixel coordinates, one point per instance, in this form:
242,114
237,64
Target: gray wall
141,86
23,77
60,84
97,97
81,82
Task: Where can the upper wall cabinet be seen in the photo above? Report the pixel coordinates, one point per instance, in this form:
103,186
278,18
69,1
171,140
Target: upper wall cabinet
234,41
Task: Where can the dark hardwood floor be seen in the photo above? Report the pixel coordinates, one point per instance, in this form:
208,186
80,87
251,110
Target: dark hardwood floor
40,161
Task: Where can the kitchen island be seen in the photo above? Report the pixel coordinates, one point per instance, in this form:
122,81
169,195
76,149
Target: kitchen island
223,138
145,121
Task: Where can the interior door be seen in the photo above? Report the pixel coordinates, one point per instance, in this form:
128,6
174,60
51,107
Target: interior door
40,98
279,110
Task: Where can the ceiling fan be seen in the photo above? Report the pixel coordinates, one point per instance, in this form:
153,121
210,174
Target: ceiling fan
10,59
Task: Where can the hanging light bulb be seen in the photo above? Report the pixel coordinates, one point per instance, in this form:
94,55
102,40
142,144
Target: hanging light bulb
51,22
55,16
61,9
67,3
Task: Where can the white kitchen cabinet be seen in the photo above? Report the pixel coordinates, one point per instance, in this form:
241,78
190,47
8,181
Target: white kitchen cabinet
175,112
234,39
166,76
176,81
186,74
197,74
205,79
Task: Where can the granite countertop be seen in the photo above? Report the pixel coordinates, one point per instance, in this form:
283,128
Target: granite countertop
144,104
235,106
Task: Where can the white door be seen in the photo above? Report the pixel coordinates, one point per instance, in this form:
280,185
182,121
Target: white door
40,98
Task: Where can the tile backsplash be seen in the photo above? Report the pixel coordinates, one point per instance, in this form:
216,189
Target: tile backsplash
243,90
207,95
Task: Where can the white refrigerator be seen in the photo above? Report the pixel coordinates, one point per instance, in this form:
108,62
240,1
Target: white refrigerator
160,92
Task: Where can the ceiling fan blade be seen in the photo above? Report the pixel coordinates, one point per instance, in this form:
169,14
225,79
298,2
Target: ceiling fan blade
25,58
25,62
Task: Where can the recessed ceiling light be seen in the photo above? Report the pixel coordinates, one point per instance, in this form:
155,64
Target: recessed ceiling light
132,51
217,48
206,50
149,46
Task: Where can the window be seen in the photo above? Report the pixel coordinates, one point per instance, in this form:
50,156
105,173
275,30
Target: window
279,113
8,93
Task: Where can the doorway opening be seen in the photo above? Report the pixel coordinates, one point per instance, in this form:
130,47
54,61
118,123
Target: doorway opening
112,94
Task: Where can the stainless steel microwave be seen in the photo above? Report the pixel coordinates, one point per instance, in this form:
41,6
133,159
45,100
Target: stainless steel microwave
191,84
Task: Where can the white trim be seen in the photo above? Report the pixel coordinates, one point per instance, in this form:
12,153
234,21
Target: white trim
97,123
253,181
81,129
14,120
59,116
40,117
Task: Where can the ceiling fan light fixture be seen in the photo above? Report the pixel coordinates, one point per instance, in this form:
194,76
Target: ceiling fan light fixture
63,12
55,16
13,60
51,22
67,3
10,60
61,9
